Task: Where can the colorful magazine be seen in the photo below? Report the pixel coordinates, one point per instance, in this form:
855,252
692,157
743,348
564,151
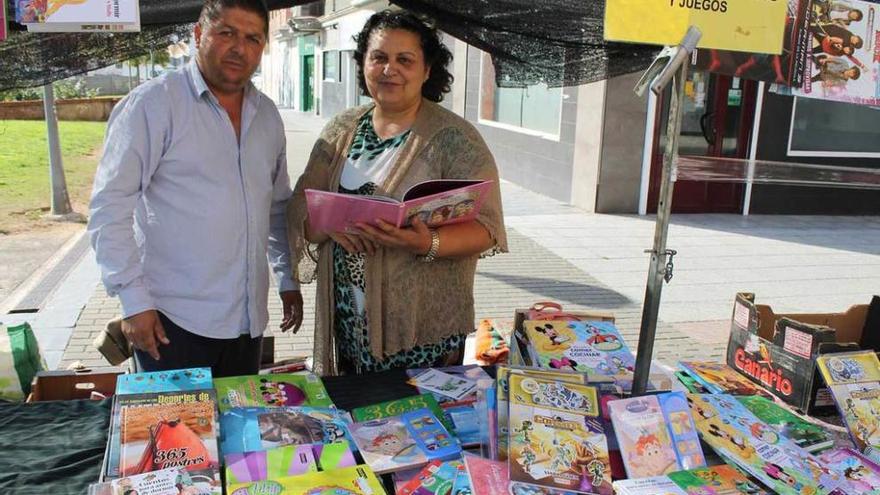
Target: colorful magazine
842,64
734,432
719,378
250,429
860,474
470,372
715,480
502,375
400,442
78,15
437,478
436,202
171,481
271,391
462,483
179,431
438,382
808,436
593,347
400,406
556,436
854,381
657,485
656,434
355,480
290,460
487,477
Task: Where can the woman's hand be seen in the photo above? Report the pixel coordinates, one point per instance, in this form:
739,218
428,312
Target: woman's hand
415,239
354,243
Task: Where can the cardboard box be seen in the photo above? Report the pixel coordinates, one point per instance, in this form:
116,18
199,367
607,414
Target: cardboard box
778,351
70,385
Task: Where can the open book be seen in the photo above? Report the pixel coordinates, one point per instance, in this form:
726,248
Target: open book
436,202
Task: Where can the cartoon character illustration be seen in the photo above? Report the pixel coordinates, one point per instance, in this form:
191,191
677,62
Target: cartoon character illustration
602,341
463,208
619,367
746,451
650,457
763,432
776,472
844,370
281,393
564,363
551,333
525,428
528,458
681,422
856,475
388,444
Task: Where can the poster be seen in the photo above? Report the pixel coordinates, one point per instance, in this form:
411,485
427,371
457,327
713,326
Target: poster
843,62
741,25
78,15
786,68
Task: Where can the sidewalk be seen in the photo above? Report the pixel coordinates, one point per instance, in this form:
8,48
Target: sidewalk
583,261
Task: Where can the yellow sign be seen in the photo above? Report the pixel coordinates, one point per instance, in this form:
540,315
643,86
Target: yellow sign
754,26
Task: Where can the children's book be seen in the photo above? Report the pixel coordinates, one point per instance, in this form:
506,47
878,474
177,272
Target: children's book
470,372
656,485
593,347
861,475
806,435
656,434
854,380
271,391
487,477
171,481
400,406
715,480
557,439
502,377
734,432
435,202
179,431
400,442
437,478
690,383
436,381
354,480
290,460
250,429
719,378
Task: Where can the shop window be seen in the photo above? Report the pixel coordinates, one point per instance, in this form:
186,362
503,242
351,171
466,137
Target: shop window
536,108
331,65
833,129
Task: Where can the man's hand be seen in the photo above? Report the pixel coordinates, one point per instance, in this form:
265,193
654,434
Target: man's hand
145,331
292,302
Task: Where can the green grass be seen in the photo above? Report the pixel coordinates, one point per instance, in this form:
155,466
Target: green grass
24,169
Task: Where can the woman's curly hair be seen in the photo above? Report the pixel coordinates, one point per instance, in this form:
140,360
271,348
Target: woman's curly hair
437,56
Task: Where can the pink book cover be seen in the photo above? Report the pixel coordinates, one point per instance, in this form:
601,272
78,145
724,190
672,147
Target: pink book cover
488,477
436,202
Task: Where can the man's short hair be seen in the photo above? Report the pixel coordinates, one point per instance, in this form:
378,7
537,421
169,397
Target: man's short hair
212,10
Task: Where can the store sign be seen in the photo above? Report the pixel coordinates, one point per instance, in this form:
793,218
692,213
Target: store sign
740,25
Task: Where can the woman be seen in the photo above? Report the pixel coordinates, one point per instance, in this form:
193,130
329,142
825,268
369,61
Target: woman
390,297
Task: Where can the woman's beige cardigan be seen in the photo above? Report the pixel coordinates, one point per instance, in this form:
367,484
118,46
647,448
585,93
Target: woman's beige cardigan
409,302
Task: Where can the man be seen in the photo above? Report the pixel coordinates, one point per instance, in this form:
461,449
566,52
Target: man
189,199
834,72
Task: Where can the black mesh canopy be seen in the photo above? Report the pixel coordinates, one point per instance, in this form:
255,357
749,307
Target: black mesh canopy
558,42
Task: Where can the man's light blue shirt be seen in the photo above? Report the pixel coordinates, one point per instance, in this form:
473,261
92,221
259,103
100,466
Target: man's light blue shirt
184,215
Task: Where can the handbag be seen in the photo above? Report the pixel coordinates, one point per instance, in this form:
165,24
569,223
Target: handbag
549,311
112,343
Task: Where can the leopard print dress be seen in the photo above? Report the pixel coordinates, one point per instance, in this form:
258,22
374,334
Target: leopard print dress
369,161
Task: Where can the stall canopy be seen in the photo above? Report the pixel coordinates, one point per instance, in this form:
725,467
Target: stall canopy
557,42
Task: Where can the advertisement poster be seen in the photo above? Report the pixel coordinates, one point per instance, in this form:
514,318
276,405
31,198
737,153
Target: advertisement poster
844,58
78,15
786,68
742,25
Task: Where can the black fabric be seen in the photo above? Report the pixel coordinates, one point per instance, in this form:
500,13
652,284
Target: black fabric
225,357
52,447
558,42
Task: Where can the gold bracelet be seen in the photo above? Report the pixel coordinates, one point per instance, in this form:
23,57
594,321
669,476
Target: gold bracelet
435,247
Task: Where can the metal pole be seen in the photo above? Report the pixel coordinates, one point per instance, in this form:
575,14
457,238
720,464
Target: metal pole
60,199
657,270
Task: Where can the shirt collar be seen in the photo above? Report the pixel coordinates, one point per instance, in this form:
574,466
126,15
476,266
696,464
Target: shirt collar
200,87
